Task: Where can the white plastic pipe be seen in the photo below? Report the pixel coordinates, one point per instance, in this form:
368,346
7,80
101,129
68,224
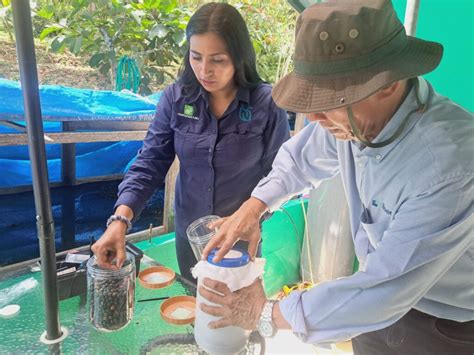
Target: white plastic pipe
411,16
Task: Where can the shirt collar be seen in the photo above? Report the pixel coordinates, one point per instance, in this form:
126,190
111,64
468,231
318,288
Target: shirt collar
195,94
243,95
408,107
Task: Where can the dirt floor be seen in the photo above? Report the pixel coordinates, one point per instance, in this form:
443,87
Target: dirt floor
53,68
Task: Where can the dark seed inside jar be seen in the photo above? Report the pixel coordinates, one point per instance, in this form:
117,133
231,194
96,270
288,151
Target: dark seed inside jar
110,306
111,295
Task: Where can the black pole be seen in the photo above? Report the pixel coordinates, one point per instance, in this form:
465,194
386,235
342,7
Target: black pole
39,170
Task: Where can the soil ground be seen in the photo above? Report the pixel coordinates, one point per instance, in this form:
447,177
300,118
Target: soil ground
53,68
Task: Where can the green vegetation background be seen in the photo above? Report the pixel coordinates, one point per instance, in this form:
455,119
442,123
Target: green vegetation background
151,32
100,32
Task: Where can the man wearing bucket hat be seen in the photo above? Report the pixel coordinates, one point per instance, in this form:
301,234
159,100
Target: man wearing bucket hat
405,156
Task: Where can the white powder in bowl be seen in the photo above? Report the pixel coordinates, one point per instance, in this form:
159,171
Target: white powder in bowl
181,313
156,277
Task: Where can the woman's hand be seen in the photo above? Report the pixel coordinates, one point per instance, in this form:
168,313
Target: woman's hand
110,248
241,308
244,224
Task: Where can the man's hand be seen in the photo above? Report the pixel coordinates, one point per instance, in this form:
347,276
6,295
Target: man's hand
241,308
110,248
244,224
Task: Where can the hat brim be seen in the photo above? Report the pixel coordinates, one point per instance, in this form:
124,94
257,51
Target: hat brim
310,94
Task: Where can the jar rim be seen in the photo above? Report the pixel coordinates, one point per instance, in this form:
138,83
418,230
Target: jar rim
230,261
201,223
95,270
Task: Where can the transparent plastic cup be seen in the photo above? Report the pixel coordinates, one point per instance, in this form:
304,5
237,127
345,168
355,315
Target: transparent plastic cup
199,234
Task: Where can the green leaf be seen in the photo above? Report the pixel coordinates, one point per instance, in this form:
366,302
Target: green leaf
48,30
170,6
257,46
159,31
137,16
151,4
179,38
58,43
96,59
104,69
77,45
46,12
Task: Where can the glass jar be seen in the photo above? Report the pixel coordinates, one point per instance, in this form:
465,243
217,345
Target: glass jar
111,294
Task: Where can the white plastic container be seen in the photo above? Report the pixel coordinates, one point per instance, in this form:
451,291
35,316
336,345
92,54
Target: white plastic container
230,270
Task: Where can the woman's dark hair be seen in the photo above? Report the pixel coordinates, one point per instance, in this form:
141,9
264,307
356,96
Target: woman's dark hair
225,21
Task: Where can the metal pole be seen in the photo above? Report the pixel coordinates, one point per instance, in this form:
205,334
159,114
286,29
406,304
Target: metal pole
411,16
44,218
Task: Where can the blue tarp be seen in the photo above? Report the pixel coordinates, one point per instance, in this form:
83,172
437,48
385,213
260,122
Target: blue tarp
60,103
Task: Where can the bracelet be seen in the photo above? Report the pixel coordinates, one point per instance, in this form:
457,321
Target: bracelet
121,219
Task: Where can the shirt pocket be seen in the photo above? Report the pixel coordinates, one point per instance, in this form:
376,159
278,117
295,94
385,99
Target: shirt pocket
251,143
361,246
179,139
227,149
374,230
186,143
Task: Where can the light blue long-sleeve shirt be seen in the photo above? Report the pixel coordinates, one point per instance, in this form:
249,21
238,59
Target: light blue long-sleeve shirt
411,205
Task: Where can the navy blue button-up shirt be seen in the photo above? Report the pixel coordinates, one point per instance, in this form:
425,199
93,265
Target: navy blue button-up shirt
221,160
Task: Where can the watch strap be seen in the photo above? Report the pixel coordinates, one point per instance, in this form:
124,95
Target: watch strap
120,218
267,311
266,318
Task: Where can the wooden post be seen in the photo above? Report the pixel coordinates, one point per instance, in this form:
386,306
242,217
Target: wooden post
8,139
168,208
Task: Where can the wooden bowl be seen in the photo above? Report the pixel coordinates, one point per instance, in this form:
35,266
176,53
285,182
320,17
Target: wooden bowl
156,277
179,310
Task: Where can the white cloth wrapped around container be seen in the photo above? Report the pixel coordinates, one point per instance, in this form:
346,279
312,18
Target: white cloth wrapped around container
237,271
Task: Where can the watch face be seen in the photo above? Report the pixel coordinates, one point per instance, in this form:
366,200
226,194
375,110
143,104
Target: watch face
265,329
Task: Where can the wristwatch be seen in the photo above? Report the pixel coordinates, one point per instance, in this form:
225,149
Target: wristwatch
265,325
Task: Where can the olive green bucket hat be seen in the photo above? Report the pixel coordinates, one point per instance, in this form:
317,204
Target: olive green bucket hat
345,51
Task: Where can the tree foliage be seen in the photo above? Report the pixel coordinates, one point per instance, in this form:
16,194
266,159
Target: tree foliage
152,32
271,26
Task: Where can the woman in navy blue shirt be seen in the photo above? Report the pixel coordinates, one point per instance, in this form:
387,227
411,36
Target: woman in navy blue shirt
219,119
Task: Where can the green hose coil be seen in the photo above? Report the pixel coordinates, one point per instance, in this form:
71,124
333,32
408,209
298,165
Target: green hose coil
128,75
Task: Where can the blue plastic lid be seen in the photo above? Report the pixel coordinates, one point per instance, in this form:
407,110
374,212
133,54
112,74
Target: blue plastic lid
234,258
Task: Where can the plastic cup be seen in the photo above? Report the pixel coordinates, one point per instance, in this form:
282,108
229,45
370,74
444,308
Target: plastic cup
199,234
